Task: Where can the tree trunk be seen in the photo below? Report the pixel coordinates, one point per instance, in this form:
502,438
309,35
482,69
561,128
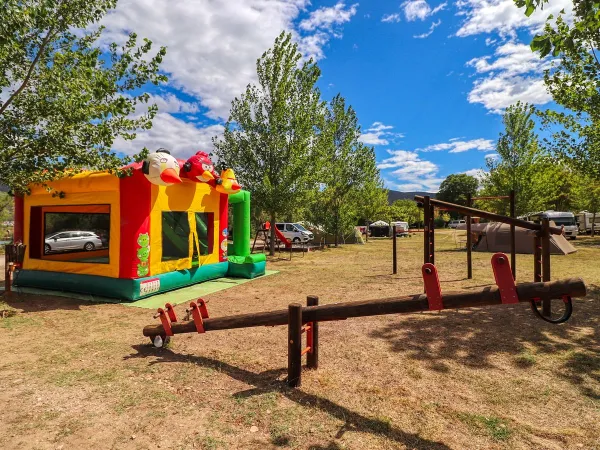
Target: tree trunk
336,229
272,246
593,224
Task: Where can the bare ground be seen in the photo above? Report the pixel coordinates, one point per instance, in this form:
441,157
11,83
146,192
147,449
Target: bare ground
80,375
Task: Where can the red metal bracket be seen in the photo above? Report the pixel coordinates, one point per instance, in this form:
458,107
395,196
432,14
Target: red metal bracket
308,329
197,315
432,287
170,312
165,322
203,309
504,278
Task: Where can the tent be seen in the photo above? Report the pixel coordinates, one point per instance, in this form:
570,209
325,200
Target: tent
380,228
495,237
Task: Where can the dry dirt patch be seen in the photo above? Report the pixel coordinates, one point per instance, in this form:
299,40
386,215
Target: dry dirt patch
78,375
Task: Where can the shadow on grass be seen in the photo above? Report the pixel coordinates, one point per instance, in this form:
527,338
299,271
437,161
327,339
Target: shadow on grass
28,303
473,337
266,381
587,241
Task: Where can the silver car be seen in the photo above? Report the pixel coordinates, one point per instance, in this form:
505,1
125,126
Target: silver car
72,240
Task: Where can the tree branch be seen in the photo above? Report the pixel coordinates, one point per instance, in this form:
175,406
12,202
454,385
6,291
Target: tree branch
43,46
594,53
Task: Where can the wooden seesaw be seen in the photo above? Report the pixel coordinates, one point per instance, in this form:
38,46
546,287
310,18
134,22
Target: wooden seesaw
306,319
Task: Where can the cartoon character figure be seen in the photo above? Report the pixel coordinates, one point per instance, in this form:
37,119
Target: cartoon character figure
161,168
228,184
142,270
143,240
200,168
143,253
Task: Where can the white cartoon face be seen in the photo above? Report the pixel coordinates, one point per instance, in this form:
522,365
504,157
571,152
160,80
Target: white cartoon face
161,168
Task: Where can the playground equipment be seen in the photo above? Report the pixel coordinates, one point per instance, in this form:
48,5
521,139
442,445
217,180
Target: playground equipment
264,233
163,227
306,319
541,257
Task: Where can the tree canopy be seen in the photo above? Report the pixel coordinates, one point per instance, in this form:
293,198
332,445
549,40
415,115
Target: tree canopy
270,139
574,83
63,98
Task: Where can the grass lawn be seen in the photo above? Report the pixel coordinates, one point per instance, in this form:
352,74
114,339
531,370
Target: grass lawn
79,375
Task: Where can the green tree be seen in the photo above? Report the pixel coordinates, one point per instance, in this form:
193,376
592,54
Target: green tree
573,82
519,153
271,137
372,202
455,189
405,211
586,192
347,166
63,101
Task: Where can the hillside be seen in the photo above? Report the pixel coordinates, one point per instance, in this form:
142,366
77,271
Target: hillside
397,195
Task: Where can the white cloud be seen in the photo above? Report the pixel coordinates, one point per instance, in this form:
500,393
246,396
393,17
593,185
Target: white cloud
182,138
512,73
433,26
212,46
327,17
477,173
420,9
458,146
169,103
493,156
391,18
503,16
413,173
379,134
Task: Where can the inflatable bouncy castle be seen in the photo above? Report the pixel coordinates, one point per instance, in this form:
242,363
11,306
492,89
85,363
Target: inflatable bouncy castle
164,227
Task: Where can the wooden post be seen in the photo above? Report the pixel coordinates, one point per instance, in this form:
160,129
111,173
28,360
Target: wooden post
537,258
426,240
469,241
9,278
394,255
294,344
312,359
432,236
513,242
546,304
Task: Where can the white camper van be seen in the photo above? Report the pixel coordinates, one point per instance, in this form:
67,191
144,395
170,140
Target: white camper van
561,219
585,220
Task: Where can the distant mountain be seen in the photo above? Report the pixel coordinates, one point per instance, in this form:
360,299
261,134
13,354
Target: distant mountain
397,195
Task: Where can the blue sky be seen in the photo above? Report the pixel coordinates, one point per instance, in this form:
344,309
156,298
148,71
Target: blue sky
428,80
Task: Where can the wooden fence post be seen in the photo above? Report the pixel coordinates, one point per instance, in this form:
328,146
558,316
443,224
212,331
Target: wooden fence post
546,304
432,235
469,241
312,359
426,220
513,243
394,250
294,344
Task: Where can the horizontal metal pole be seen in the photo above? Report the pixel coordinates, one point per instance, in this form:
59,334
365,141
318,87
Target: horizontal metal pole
575,287
488,215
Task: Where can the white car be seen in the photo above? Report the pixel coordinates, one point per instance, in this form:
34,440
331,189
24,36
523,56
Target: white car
295,232
72,240
456,223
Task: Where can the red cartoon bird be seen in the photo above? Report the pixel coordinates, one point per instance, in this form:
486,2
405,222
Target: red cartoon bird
200,168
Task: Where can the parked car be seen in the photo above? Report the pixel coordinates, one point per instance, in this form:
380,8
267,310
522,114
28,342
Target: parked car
295,232
456,223
72,240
